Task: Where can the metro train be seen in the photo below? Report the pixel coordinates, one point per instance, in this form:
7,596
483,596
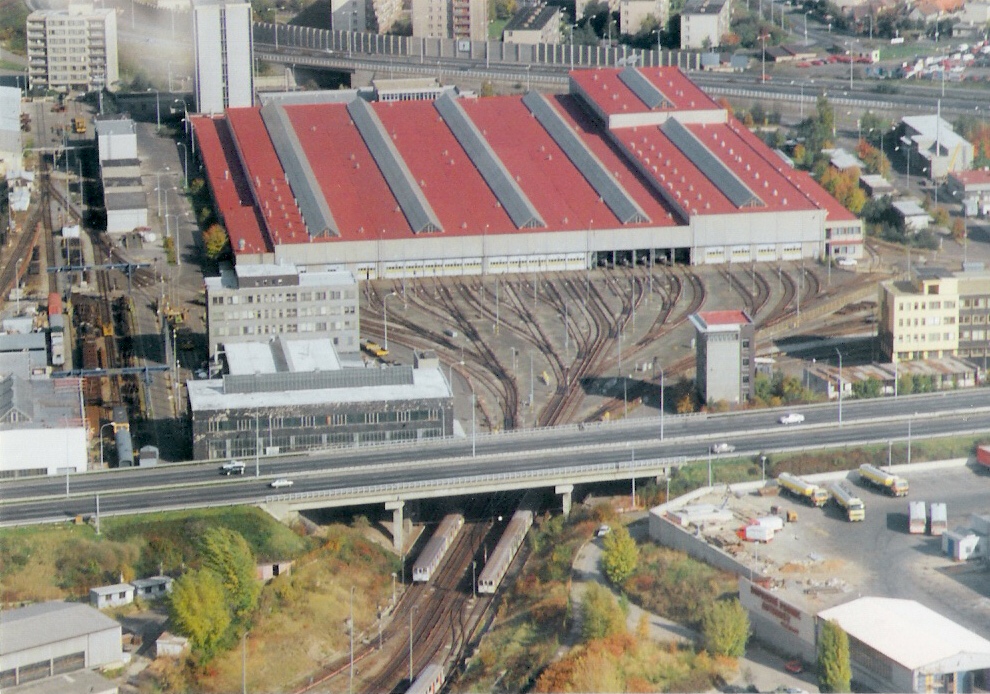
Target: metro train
431,556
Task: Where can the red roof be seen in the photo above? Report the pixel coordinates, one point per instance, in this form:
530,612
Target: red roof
613,97
725,317
972,178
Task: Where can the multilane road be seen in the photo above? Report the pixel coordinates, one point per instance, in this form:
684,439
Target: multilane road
607,451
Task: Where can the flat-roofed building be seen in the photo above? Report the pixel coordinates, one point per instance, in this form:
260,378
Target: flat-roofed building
52,638
450,19
902,646
913,215
704,23
11,146
632,14
348,15
224,55
41,414
724,349
116,139
73,48
534,25
248,303
938,313
972,189
290,395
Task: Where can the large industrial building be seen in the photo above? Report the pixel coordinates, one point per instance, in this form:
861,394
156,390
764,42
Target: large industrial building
51,638
248,303
291,394
224,50
73,48
41,414
630,161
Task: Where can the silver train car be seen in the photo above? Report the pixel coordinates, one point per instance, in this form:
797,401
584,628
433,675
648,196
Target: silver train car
505,551
430,681
431,556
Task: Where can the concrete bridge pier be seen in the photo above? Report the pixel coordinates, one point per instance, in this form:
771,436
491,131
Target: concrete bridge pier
396,508
565,490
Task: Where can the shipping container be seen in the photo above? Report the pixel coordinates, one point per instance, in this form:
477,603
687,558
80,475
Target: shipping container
939,519
917,517
759,533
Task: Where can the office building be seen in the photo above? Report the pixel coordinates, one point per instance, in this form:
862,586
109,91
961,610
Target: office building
11,145
223,48
632,14
348,15
72,49
937,313
248,303
704,23
534,25
291,394
725,350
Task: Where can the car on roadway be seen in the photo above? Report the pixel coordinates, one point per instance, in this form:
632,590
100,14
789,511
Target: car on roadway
791,418
280,482
846,262
234,467
603,530
722,448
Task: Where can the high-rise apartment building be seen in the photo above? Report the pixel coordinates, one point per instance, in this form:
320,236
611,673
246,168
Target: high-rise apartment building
348,15
446,19
224,52
72,49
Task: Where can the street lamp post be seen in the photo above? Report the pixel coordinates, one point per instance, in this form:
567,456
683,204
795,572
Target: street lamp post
385,306
806,29
763,460
108,424
840,385
411,610
185,162
662,402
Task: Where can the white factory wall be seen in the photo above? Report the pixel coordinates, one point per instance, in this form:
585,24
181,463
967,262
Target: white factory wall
63,448
126,220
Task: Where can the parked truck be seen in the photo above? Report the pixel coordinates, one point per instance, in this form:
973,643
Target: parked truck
884,481
806,491
917,517
938,521
847,501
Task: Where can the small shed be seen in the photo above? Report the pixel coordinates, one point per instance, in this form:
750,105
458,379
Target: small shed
875,186
170,645
152,588
111,596
914,216
148,456
270,570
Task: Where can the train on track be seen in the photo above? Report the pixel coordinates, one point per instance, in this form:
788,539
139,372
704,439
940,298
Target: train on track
430,680
122,437
435,550
505,551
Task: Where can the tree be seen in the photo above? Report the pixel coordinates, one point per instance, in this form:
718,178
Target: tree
834,670
215,241
868,388
227,554
725,628
601,613
958,229
198,610
620,556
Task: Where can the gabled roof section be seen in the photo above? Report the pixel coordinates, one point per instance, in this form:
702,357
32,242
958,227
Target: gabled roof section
618,200
510,195
645,90
410,197
313,206
714,170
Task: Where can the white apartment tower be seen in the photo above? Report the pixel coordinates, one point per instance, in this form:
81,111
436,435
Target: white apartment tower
224,53
450,19
72,49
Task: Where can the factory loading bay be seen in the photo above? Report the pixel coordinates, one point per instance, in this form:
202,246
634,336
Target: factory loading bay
822,560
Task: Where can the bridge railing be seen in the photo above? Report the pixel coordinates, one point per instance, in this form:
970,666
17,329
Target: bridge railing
288,37
606,470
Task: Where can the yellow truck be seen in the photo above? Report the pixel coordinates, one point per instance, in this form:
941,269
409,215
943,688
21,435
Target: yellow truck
79,126
799,488
851,504
884,481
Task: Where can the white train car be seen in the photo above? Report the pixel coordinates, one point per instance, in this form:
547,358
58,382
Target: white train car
505,551
431,556
430,681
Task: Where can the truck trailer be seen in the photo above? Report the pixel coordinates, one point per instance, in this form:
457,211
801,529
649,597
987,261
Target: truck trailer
884,481
938,521
917,517
847,501
811,493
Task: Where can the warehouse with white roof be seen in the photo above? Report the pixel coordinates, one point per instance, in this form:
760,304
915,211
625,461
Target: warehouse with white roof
902,646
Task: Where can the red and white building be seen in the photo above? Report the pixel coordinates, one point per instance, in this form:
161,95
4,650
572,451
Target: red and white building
632,163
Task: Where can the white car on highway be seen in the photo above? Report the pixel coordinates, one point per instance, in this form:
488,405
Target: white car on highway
791,418
280,482
722,448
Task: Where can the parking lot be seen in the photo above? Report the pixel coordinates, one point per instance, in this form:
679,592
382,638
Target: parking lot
823,560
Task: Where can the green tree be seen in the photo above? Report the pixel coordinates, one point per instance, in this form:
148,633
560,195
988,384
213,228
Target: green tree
620,556
197,606
905,384
215,241
725,628
834,670
867,388
602,615
227,554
